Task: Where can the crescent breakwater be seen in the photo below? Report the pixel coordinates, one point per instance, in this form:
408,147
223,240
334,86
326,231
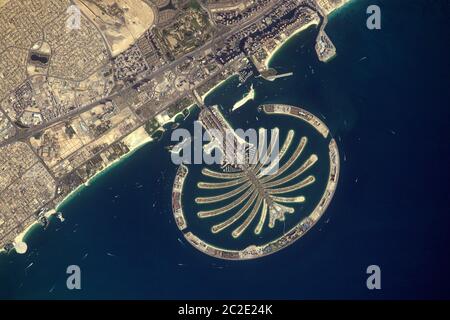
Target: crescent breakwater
74,191
268,208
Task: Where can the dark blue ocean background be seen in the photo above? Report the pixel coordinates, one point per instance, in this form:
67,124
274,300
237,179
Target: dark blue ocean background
390,115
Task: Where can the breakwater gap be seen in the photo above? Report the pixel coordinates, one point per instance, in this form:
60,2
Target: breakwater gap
246,201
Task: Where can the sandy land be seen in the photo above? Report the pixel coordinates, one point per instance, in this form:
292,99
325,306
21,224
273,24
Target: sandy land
134,141
119,32
278,47
342,4
3,2
164,119
217,86
19,241
249,96
137,138
306,26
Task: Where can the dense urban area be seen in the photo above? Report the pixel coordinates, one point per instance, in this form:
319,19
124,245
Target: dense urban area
83,83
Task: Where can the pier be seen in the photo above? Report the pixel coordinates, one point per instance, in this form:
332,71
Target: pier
278,76
325,48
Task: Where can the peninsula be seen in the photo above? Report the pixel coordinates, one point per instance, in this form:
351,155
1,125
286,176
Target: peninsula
256,196
77,92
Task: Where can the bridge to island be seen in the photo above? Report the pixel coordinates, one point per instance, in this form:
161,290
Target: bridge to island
262,191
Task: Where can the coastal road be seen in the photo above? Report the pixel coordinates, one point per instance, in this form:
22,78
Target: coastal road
23,134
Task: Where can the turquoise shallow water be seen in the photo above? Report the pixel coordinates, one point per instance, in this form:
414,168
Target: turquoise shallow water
389,113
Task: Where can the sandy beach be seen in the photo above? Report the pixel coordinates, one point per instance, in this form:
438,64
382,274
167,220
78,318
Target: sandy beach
134,141
20,245
249,96
302,28
278,47
217,86
140,137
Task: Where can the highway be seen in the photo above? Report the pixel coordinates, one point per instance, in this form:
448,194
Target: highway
23,134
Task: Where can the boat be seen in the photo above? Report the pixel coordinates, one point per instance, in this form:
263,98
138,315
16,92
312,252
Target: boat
60,216
43,221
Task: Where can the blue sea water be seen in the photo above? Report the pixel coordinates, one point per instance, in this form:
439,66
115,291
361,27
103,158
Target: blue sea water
385,98
251,117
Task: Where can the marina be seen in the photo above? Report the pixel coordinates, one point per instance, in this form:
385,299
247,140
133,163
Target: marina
258,195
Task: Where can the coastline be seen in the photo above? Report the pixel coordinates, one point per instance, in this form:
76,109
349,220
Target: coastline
135,144
135,140
175,116
253,251
272,54
337,9
247,97
131,247
163,123
20,238
217,86
330,14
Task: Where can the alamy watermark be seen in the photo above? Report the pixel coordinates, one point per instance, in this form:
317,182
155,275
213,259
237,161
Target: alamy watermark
238,148
374,280
74,279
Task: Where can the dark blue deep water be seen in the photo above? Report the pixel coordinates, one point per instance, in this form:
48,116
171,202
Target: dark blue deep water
390,115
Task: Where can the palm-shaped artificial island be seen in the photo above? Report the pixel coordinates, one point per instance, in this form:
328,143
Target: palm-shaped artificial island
257,192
